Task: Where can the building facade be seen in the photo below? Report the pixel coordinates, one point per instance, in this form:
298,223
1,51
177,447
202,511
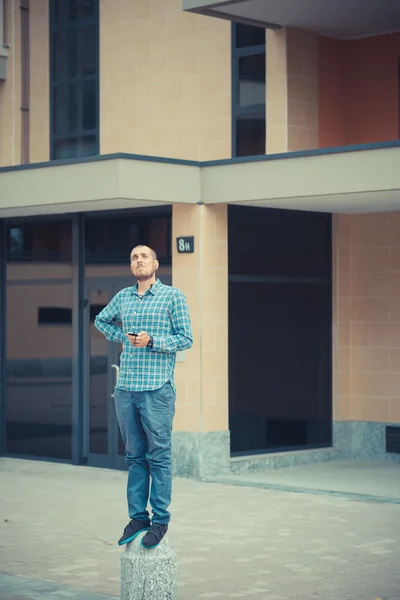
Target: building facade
256,149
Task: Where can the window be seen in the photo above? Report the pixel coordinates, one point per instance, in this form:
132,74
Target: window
40,243
39,300
109,241
248,90
74,78
280,305
55,315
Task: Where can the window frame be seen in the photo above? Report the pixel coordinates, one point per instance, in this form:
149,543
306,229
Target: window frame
56,28
256,111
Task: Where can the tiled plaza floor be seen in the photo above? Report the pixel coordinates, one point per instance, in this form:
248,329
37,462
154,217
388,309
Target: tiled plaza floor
59,525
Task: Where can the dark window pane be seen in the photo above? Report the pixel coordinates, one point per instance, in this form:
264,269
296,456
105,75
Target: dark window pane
108,242
40,243
65,109
50,315
88,92
67,11
279,243
15,241
74,53
252,88
75,57
61,11
75,147
250,136
111,242
75,107
38,374
82,9
247,36
280,395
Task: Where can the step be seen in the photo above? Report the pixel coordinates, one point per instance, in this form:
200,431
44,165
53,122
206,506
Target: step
279,460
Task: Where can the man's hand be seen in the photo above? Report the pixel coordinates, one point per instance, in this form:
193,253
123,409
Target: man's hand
140,340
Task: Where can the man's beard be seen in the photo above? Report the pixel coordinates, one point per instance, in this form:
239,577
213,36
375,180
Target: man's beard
143,276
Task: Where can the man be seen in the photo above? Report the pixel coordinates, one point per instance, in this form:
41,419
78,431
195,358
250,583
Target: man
155,325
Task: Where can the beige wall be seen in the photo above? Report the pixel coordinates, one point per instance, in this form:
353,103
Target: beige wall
10,92
165,81
10,89
202,380
367,317
358,90
39,82
292,90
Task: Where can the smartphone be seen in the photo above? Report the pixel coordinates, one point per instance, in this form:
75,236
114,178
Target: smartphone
132,333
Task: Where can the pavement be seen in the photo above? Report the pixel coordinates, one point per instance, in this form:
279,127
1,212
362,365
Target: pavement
59,525
375,480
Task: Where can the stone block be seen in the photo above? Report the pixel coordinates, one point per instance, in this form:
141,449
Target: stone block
148,574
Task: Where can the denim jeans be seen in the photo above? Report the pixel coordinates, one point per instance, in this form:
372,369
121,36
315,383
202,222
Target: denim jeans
145,420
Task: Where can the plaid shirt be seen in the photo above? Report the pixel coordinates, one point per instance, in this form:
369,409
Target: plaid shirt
163,313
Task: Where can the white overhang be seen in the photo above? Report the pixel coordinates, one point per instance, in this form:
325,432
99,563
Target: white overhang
366,179
342,19
357,179
103,183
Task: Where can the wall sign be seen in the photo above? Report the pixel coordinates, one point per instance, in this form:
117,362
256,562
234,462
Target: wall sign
185,245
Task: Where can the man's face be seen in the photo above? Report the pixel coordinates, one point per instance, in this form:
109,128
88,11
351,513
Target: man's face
143,265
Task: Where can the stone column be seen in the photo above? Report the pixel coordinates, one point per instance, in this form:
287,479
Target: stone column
148,574
201,436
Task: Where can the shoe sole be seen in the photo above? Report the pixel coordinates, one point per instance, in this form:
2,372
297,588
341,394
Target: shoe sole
133,537
150,547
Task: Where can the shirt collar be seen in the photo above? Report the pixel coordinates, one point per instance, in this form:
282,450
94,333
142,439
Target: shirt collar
153,289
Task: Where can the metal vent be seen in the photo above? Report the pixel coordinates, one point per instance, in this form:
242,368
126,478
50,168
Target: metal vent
393,439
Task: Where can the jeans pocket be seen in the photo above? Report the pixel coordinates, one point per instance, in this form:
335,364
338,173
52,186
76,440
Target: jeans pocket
159,411
169,389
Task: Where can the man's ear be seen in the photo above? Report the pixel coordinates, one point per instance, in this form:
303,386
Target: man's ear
156,264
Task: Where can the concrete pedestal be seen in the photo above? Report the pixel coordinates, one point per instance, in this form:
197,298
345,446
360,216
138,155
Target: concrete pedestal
148,574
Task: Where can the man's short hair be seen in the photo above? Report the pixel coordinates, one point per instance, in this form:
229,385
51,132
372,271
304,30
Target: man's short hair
153,252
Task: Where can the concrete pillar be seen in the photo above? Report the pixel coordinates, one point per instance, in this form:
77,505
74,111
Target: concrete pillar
200,443
148,574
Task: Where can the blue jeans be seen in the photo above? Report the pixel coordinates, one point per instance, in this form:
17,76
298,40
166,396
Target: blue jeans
145,420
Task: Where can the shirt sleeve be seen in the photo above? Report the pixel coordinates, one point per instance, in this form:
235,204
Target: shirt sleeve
182,336
106,321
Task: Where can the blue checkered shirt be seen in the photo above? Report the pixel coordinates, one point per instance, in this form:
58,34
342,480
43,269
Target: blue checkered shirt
163,313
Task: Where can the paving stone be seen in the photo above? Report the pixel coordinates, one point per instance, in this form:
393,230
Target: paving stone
59,525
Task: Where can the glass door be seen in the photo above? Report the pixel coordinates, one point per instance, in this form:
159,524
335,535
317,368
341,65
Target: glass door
103,445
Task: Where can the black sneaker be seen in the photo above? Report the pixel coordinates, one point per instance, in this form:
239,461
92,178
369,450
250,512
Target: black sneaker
154,535
132,530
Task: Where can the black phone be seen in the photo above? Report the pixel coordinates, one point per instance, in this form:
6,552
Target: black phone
132,333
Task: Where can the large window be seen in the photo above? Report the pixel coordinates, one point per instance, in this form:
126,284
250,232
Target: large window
57,370
280,297
38,368
248,90
74,76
